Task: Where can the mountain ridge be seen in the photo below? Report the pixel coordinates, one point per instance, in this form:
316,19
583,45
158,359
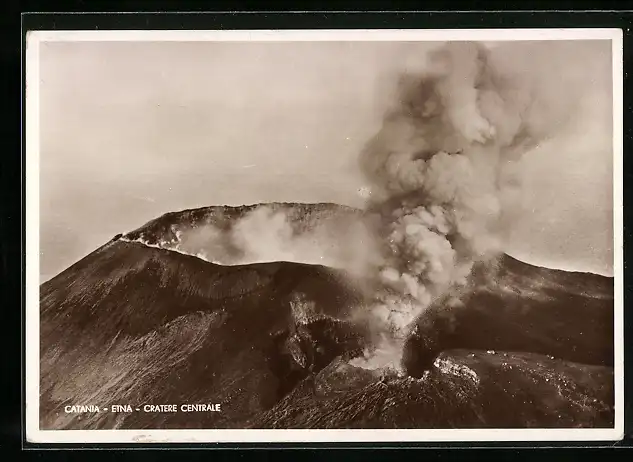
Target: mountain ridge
158,229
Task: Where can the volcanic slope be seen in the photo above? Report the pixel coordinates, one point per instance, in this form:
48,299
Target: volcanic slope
513,306
130,324
520,347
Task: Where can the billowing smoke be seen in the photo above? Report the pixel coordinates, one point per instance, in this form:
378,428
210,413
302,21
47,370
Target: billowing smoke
442,170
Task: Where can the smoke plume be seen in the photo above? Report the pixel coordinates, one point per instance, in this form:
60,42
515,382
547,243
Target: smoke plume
443,175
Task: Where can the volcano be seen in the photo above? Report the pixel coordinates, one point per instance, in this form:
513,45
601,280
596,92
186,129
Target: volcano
134,323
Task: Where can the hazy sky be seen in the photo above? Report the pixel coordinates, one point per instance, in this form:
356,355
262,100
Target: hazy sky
130,131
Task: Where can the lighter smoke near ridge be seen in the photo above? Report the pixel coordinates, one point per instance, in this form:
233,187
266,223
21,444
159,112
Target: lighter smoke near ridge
266,234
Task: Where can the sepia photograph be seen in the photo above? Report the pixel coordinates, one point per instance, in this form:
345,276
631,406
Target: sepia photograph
324,235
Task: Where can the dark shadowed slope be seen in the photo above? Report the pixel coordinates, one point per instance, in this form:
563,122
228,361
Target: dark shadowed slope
522,347
130,324
514,306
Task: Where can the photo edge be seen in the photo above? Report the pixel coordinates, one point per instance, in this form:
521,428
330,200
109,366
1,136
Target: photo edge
35,435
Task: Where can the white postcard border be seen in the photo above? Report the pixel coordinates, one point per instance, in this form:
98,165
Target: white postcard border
35,435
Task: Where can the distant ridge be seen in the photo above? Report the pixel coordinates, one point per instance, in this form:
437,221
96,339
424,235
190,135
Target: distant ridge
222,216
302,214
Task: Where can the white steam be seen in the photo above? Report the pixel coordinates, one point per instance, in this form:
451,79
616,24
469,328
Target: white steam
268,234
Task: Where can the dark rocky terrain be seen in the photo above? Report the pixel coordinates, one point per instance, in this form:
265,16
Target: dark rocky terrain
463,389
513,306
129,324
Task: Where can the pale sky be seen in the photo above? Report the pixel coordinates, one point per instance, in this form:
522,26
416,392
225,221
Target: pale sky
130,131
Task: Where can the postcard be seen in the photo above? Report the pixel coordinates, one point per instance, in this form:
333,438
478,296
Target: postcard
324,235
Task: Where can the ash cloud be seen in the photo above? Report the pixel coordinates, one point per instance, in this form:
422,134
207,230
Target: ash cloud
444,171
